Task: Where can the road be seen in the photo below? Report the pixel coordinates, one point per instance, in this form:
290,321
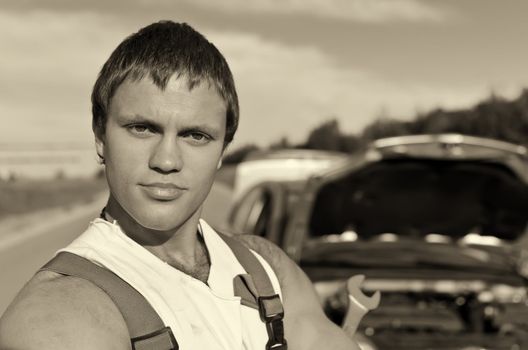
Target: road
34,240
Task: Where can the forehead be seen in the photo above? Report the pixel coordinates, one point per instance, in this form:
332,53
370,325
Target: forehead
145,98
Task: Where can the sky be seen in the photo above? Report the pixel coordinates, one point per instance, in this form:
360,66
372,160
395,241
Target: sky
296,63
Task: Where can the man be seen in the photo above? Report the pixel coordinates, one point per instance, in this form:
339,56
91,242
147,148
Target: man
164,110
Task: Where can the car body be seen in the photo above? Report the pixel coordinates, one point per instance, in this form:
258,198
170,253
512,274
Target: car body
282,165
436,223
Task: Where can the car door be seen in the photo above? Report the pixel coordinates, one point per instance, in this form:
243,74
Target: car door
261,211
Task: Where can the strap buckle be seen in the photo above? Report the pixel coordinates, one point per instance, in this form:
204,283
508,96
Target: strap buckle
162,339
272,313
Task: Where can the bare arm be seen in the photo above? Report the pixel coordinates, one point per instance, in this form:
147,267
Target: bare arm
306,325
57,312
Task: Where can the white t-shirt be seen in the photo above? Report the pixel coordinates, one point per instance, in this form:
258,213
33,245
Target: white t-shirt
208,317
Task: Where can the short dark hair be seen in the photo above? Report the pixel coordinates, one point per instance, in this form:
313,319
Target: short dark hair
161,50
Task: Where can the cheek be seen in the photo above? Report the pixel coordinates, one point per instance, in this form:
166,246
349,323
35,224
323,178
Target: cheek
123,162
118,177
125,151
205,167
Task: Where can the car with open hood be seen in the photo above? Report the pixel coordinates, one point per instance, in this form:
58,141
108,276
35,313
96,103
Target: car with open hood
437,223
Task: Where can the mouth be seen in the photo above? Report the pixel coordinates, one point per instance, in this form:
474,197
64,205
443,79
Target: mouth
163,191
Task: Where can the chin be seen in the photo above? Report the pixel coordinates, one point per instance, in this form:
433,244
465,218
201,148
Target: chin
158,223
161,227
163,219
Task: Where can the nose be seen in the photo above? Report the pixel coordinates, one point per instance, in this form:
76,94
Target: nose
166,156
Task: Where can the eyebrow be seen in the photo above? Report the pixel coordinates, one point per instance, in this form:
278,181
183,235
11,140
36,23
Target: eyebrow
136,118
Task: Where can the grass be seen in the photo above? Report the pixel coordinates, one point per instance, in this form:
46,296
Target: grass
25,196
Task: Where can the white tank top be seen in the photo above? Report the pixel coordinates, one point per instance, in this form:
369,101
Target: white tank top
201,316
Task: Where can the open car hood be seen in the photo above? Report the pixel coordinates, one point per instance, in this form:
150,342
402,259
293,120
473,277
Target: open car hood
419,195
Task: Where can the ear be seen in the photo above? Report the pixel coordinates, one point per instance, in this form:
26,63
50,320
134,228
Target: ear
219,164
99,148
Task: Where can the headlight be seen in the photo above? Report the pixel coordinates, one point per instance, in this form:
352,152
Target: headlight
503,294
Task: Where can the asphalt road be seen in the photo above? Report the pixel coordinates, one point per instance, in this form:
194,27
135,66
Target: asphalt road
30,242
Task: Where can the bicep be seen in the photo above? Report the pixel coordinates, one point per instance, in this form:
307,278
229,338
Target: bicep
63,313
306,324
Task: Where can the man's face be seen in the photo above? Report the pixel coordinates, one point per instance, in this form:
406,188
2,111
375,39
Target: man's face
162,149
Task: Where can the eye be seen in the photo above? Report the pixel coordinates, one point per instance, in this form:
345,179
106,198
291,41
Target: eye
140,129
198,138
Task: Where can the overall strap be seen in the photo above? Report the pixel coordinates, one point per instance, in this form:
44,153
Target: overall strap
255,289
146,329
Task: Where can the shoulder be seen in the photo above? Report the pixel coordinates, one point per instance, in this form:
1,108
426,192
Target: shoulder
259,244
60,312
305,324
274,256
291,278
304,321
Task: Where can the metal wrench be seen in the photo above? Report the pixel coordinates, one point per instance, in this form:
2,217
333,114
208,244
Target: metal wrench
358,304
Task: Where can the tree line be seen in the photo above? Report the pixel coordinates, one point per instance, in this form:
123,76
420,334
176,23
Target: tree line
494,117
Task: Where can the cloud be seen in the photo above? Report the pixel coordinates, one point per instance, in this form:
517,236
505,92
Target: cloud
286,91
365,11
49,62
371,11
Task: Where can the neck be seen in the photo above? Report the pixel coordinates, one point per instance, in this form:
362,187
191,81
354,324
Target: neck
181,247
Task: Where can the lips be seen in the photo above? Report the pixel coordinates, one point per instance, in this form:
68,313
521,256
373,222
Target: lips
163,191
